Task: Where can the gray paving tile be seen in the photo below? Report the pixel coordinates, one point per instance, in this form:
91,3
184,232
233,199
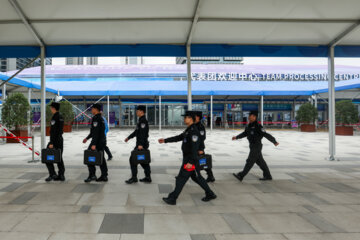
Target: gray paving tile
82,176
202,237
237,223
158,170
85,209
87,188
196,197
266,188
24,198
311,208
297,176
12,187
222,154
165,188
33,175
340,187
313,198
321,223
122,223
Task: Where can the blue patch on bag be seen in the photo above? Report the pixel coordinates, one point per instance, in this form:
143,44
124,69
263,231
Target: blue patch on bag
140,157
202,161
50,157
92,159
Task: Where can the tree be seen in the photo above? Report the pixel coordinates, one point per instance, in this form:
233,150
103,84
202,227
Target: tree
15,111
307,113
346,112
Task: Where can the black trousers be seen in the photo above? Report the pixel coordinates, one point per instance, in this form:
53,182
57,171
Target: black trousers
107,150
134,168
255,156
61,166
209,172
103,166
183,177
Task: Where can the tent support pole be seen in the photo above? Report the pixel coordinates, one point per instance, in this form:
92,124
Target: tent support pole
188,65
29,112
211,113
331,82
159,113
262,110
43,99
108,110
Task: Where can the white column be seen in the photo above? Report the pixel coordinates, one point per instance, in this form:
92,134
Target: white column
188,65
262,110
120,113
159,113
3,93
316,106
108,110
211,113
29,112
331,81
43,99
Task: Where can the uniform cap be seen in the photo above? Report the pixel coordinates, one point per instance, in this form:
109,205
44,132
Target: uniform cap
141,108
55,105
97,106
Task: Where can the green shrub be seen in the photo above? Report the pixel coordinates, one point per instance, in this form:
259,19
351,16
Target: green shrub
346,112
307,113
15,111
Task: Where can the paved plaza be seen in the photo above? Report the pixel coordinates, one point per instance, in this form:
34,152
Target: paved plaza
310,198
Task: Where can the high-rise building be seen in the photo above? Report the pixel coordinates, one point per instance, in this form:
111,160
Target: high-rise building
211,60
95,60
10,64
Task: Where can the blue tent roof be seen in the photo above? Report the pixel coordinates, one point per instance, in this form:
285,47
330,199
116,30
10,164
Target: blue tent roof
25,83
177,88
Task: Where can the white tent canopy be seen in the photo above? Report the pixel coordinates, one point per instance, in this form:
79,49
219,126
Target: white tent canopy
268,22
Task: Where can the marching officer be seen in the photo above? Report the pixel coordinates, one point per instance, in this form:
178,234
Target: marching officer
190,166
142,143
254,132
98,143
57,142
202,132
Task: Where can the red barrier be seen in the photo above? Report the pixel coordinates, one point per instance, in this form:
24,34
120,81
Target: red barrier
15,137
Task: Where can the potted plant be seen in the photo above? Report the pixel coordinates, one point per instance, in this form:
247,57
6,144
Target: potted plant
345,113
66,110
306,116
15,116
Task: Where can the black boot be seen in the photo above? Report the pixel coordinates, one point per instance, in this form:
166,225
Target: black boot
102,179
51,177
266,179
132,180
210,179
169,201
209,197
146,180
239,176
90,178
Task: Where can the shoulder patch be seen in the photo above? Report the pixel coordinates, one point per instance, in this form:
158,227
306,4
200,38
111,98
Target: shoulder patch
52,122
143,125
95,124
263,130
195,138
202,133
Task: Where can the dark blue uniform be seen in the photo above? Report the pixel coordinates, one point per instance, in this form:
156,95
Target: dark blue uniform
254,133
98,138
142,135
190,146
202,132
56,139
